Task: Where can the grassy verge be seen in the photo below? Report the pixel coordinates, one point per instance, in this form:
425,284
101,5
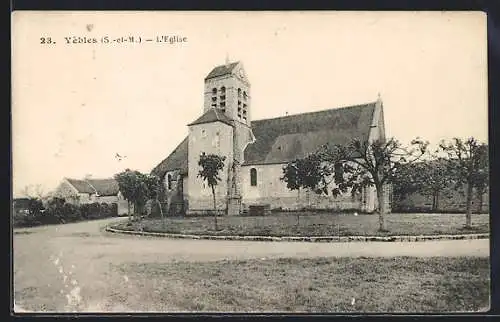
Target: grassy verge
399,284
315,224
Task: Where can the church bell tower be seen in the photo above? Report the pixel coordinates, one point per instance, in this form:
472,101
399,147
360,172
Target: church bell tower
227,89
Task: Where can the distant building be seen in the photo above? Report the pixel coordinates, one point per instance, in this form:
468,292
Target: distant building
87,191
256,151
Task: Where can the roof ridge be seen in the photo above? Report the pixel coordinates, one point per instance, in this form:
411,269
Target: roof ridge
87,182
320,111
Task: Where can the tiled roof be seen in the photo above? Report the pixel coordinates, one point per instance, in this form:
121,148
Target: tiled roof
81,185
221,70
103,187
284,139
212,115
177,160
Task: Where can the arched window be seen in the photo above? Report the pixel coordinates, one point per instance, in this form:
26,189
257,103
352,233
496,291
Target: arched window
253,177
169,182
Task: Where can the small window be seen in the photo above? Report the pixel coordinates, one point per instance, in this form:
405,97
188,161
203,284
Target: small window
169,182
239,103
222,97
223,90
239,92
245,96
214,105
203,133
214,99
214,91
223,104
253,177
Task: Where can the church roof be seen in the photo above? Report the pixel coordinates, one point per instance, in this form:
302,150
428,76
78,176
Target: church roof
212,115
222,70
283,139
177,160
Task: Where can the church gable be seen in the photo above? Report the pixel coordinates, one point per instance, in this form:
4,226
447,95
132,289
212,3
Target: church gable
283,139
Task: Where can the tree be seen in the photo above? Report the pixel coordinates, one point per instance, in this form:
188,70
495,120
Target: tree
211,165
134,187
429,178
353,167
307,173
468,164
34,191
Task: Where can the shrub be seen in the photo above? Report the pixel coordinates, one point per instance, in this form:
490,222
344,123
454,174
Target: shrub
114,210
58,211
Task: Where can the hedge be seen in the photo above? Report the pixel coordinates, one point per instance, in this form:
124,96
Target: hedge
58,211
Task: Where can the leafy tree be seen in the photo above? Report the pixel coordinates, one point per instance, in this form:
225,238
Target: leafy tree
468,164
211,165
429,178
352,167
134,187
34,191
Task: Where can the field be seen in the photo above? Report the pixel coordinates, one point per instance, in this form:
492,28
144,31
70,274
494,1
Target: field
315,224
401,284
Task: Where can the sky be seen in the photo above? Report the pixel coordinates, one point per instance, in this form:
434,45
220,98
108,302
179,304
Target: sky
76,105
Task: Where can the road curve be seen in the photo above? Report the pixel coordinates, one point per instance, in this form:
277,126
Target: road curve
52,261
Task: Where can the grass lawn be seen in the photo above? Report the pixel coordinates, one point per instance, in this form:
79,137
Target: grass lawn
315,224
400,284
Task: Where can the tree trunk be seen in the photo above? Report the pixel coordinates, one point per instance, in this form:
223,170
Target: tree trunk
468,213
437,201
215,208
480,201
161,211
381,208
435,196
128,211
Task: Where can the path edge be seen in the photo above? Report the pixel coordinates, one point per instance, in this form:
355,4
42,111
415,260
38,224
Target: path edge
328,239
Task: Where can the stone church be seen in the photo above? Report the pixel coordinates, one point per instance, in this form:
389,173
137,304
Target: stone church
257,150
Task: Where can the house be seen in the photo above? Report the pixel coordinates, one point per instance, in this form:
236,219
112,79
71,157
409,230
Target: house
257,150
87,191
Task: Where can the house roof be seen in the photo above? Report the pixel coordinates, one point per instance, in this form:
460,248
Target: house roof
177,160
283,139
222,70
212,115
81,185
103,187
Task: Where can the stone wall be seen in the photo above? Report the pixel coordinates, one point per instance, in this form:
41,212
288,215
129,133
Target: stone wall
450,200
271,190
216,138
